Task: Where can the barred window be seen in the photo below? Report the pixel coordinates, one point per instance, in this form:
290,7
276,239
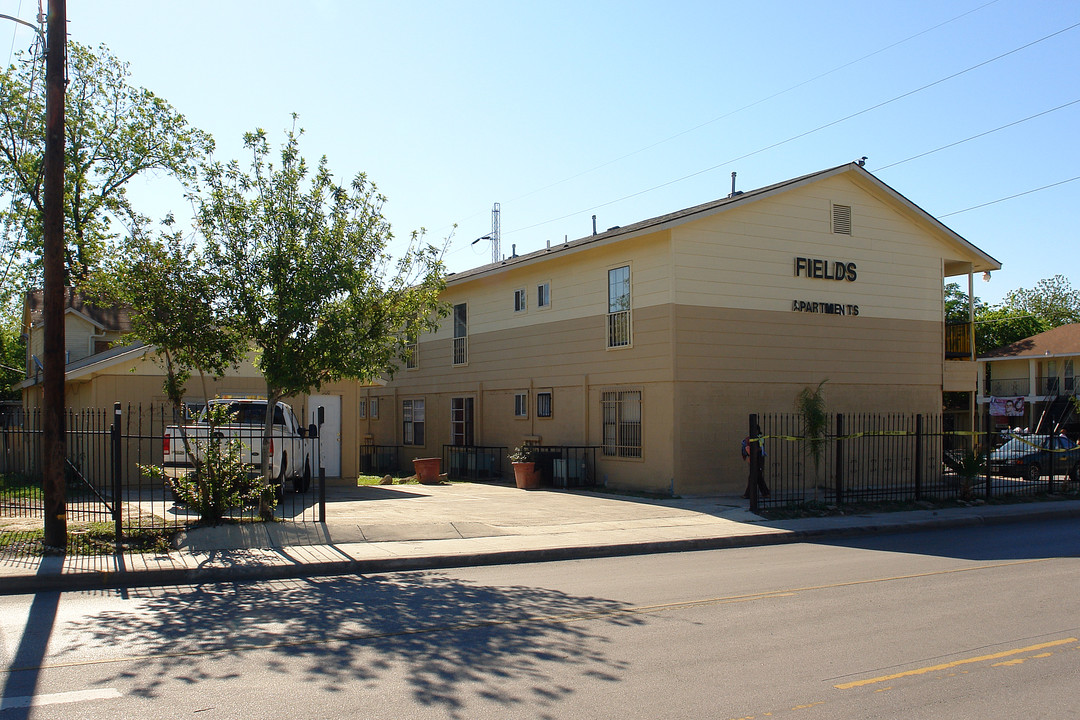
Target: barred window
621,411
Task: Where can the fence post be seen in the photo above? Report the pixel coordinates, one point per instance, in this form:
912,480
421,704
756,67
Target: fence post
118,479
755,462
322,493
988,443
839,458
1050,445
918,456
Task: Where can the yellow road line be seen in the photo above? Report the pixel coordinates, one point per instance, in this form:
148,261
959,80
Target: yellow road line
955,663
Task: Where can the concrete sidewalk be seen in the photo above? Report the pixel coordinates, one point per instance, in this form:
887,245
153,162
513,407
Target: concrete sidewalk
412,527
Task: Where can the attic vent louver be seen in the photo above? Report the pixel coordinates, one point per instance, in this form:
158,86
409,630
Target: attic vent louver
841,219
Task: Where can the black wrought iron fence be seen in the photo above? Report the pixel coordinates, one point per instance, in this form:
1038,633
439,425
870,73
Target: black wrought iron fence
473,462
108,477
882,457
380,459
566,466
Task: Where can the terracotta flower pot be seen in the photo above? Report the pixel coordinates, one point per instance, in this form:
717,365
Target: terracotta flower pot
427,470
526,475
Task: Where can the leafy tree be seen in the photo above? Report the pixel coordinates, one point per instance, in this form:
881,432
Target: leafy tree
304,269
1001,325
956,304
1024,312
114,132
12,358
1052,300
170,295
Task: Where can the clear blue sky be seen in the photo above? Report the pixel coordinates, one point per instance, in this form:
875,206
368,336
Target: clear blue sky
559,110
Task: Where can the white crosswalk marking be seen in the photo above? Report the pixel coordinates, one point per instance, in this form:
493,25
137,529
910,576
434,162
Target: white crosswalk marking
9,703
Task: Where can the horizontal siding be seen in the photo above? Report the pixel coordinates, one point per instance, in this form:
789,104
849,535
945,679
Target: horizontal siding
725,345
578,283
554,353
744,258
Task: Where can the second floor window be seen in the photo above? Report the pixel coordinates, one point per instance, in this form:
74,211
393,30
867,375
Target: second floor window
461,335
618,319
519,301
543,295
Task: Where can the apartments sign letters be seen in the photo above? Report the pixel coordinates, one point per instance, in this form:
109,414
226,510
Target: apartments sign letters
825,269
817,269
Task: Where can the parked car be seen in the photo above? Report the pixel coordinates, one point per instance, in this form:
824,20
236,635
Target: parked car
291,448
1032,456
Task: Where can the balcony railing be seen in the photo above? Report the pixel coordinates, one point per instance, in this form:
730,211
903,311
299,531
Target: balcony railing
461,350
1049,385
958,340
618,333
1009,387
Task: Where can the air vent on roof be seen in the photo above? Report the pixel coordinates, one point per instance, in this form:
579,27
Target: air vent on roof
841,219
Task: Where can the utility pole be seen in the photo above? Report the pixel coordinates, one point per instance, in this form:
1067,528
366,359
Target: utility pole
53,441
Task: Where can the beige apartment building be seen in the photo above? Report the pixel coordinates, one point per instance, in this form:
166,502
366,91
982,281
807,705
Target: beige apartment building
655,341
651,342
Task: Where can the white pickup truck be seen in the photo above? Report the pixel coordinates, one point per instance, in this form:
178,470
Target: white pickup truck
291,445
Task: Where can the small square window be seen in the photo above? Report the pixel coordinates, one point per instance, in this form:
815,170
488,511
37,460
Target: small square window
362,405
521,405
519,301
543,404
374,408
543,295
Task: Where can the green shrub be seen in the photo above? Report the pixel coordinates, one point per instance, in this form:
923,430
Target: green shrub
220,480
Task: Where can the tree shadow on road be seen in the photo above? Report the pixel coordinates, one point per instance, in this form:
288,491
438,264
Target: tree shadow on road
444,641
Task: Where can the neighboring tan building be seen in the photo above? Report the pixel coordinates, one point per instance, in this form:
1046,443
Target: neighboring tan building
1029,383
102,370
655,341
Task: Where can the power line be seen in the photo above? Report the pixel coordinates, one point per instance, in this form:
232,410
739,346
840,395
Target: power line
755,103
973,137
806,133
1010,197
744,107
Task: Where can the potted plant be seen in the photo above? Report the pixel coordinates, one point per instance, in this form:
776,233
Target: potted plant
526,474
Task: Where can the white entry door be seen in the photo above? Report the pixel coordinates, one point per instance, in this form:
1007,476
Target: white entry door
329,433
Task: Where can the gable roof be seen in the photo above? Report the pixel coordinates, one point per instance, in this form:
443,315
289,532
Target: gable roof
1062,340
113,318
980,261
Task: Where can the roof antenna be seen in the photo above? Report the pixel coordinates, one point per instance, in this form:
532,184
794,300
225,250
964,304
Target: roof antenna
494,235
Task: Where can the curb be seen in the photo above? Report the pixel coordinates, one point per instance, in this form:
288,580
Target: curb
68,582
